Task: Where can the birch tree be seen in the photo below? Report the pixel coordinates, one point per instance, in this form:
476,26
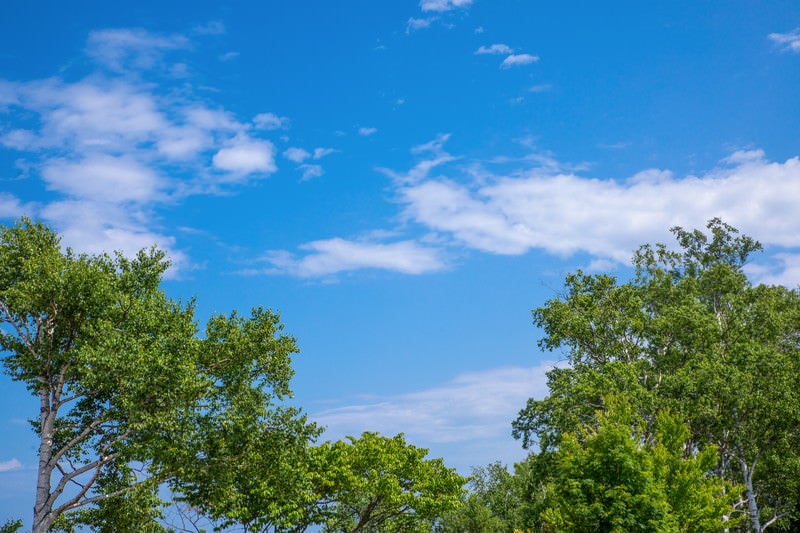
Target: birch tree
129,395
689,332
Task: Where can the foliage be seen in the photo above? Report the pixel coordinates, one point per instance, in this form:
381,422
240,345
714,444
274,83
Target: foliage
690,333
608,479
491,505
129,395
376,483
11,525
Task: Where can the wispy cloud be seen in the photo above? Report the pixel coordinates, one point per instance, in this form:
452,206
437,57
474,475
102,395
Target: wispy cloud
518,59
415,24
120,145
270,121
333,256
7,466
499,49
295,154
472,412
788,42
540,88
122,49
319,153
311,172
369,131
436,156
443,5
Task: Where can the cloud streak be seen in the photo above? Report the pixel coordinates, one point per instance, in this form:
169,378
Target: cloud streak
470,415
337,255
440,6
787,42
515,60
7,466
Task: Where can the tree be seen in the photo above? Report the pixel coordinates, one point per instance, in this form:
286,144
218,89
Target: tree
129,395
689,332
377,483
492,504
609,479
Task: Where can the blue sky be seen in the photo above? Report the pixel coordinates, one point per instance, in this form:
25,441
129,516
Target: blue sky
403,181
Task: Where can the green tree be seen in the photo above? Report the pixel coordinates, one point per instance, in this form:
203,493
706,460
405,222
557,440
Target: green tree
129,395
375,483
491,505
689,332
610,479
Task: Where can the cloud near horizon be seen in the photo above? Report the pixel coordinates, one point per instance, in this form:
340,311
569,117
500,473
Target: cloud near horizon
473,410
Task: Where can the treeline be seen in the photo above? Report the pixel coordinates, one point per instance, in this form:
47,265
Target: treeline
679,409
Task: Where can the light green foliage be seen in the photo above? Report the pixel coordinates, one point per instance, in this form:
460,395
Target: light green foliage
492,504
375,483
609,479
124,381
688,333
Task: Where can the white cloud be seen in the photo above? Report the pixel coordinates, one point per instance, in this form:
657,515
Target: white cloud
419,24
214,27
297,155
97,227
13,464
116,147
311,172
10,206
443,5
245,156
788,42
372,131
120,49
518,59
319,153
471,413
563,213
500,49
540,88
780,269
421,170
228,56
336,255
103,178
270,121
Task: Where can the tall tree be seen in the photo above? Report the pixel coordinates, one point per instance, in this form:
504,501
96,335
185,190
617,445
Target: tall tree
129,395
688,332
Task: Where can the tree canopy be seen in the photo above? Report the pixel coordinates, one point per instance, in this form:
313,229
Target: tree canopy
130,395
688,333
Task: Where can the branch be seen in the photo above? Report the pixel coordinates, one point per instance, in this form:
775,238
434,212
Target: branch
25,336
76,500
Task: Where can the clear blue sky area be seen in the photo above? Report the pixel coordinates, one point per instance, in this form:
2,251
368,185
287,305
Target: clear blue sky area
404,181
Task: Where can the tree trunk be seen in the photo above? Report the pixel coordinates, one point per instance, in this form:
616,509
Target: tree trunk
752,505
42,510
